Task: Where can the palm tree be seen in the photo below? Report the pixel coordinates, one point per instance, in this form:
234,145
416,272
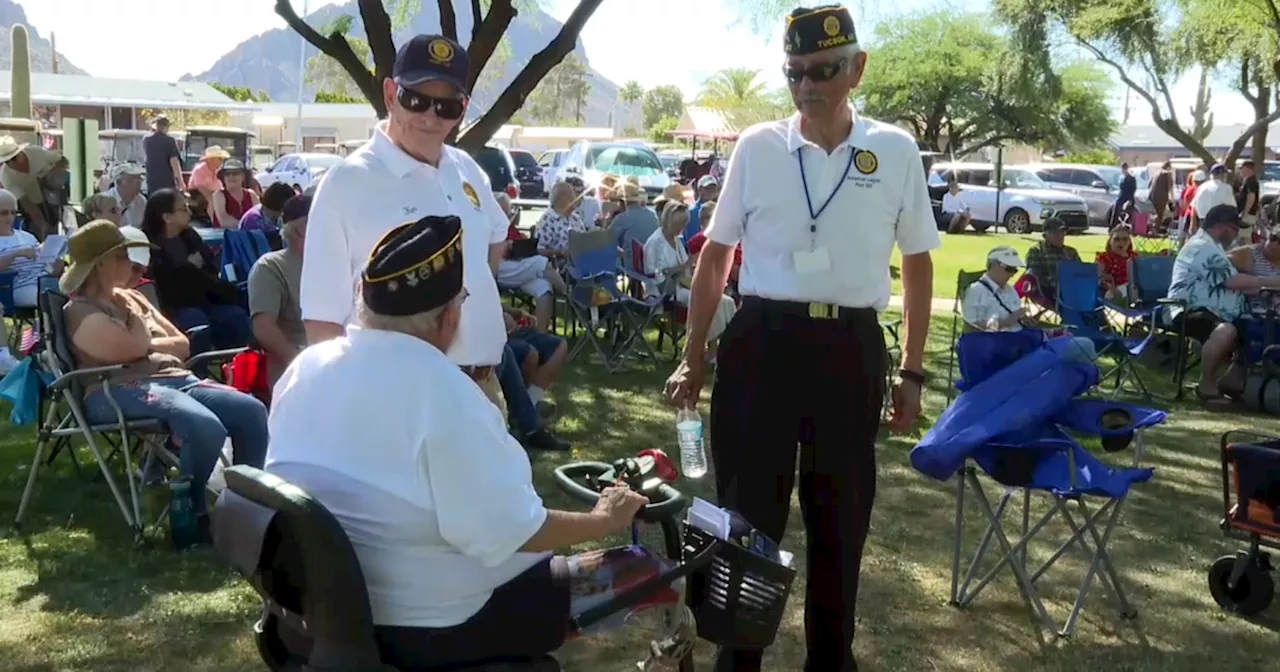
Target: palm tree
731,89
630,94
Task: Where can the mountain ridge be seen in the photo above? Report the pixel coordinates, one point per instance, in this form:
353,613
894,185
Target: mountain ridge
11,13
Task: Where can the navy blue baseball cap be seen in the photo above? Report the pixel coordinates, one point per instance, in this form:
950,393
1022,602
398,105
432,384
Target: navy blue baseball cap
431,58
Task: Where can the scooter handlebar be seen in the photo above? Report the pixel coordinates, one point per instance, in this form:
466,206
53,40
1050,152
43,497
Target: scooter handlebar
577,479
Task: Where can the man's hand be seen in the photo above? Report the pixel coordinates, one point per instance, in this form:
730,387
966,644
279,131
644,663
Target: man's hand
530,319
906,405
685,385
509,321
619,505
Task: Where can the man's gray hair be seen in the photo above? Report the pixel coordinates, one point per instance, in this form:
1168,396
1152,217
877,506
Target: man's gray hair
287,229
560,188
418,325
7,196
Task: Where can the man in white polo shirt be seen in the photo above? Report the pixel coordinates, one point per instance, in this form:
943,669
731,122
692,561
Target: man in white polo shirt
818,202
406,172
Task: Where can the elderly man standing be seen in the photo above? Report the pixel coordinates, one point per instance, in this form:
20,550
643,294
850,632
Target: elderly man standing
128,191
404,173
818,202
1217,191
164,167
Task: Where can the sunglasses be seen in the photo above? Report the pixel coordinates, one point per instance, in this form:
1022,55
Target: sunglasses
823,72
448,109
1010,269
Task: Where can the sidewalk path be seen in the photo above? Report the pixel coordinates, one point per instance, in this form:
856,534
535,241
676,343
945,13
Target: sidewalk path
941,306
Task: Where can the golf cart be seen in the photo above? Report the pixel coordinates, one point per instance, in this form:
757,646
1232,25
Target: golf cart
347,146
325,148
117,146
263,156
235,141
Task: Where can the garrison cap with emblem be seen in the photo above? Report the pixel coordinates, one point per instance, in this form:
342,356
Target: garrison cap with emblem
415,268
431,58
810,30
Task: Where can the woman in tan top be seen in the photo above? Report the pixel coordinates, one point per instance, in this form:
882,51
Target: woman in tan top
109,325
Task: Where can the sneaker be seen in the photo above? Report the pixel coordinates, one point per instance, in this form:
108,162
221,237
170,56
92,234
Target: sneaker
544,440
677,643
546,410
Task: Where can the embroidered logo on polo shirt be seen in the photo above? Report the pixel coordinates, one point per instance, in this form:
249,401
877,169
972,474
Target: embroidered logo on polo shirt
865,162
470,191
831,26
440,51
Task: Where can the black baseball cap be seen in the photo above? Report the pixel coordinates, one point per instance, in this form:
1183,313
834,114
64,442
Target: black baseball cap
1222,214
1053,224
431,58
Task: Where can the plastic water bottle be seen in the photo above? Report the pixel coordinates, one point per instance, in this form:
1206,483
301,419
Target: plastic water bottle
693,459
183,529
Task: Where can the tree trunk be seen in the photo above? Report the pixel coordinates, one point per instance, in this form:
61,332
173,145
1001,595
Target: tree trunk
336,47
487,34
1261,110
520,88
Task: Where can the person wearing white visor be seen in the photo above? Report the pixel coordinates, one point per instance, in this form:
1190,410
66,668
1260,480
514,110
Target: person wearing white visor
140,257
992,304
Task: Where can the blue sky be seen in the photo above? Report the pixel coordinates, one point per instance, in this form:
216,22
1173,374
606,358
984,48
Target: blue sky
654,42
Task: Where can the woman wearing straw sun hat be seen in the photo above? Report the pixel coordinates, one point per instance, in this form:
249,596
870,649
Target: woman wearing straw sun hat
204,177
108,324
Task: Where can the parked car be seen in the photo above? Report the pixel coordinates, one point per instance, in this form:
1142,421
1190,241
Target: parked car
528,174
496,162
594,160
551,161
299,171
1025,200
1097,185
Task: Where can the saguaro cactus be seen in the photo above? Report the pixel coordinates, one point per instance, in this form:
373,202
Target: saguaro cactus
20,97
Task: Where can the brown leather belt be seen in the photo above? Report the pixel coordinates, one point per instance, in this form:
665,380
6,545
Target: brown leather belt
477,373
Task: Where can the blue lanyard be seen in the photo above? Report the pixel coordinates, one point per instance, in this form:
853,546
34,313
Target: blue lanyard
813,216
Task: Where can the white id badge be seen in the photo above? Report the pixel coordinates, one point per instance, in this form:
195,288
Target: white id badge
812,261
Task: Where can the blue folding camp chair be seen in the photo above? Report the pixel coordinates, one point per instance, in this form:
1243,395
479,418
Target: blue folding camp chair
596,302
1084,315
1011,421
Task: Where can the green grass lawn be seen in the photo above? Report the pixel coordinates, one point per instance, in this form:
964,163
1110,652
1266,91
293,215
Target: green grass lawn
77,596
968,252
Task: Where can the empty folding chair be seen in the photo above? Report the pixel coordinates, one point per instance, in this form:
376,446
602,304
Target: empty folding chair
609,317
1084,315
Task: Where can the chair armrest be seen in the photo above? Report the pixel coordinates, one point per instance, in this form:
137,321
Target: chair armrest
94,372
211,357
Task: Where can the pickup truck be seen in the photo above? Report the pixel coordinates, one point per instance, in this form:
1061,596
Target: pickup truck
1025,200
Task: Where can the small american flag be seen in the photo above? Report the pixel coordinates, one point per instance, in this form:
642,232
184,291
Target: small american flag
28,343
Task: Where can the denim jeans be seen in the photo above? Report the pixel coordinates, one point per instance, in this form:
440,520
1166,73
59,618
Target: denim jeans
228,327
200,415
519,405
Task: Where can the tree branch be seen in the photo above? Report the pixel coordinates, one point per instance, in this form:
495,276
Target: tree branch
336,47
475,19
520,88
486,35
1244,81
449,20
989,142
1237,147
1169,126
377,29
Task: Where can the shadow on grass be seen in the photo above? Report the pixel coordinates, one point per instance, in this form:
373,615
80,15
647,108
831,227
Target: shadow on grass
77,596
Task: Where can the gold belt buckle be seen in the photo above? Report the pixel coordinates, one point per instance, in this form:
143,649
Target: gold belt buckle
824,311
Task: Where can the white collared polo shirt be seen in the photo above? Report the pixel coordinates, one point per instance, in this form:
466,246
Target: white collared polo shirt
880,200
379,187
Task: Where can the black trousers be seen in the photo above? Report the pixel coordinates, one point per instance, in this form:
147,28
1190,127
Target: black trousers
787,381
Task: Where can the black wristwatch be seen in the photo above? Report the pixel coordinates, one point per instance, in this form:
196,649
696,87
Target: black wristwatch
912,377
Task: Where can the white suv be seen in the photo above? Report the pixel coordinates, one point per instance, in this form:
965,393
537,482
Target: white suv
1025,201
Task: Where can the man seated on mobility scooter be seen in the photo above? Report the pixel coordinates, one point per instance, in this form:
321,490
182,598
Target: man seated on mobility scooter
436,497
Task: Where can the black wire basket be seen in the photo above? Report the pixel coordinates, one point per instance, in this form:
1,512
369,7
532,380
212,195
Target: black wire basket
739,597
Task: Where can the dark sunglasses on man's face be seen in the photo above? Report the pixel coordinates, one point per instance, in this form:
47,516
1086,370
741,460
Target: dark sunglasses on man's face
1010,269
445,108
822,72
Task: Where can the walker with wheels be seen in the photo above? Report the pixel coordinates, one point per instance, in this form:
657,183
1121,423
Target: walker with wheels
737,596
1241,582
